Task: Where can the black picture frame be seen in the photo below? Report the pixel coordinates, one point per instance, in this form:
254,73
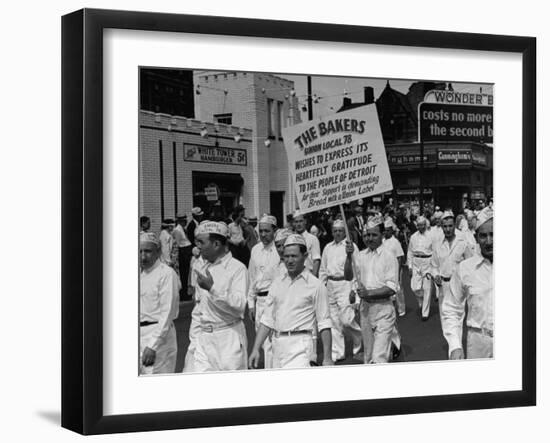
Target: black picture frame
82,220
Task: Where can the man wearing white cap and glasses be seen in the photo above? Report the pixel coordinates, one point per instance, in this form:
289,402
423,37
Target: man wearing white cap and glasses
262,270
221,287
313,260
448,252
377,269
296,300
159,306
472,283
331,273
419,257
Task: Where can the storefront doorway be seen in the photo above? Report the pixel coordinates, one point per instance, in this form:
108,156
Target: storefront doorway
276,201
229,187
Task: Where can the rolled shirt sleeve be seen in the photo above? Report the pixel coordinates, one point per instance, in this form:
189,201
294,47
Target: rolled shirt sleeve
322,312
169,286
315,248
267,317
391,273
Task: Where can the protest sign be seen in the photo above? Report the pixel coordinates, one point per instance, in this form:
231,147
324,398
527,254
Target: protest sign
337,159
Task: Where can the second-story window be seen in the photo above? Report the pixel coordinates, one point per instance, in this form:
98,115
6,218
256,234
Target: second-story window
226,119
270,119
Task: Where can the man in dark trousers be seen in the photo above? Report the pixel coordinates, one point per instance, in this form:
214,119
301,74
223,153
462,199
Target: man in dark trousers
185,248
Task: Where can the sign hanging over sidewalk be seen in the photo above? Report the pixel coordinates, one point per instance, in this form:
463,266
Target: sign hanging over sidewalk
337,159
445,122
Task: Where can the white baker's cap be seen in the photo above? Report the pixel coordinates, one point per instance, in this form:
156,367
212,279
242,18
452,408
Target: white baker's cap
373,221
282,234
295,239
212,227
421,219
484,216
269,219
149,237
388,223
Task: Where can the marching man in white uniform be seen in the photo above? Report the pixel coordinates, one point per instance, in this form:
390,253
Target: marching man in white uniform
419,257
377,284
262,270
331,274
448,252
221,286
159,306
472,283
296,300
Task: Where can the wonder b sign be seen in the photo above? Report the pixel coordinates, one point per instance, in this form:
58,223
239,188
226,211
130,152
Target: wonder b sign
449,122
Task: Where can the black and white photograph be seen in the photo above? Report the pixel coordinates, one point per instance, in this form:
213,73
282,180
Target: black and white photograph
299,220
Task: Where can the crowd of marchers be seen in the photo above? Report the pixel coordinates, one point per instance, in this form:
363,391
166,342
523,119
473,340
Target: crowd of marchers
309,285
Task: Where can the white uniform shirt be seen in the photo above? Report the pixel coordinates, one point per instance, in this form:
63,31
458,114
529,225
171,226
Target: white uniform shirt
378,268
419,244
180,237
470,237
313,249
392,245
446,258
166,244
159,299
436,233
472,282
334,259
294,305
226,301
262,269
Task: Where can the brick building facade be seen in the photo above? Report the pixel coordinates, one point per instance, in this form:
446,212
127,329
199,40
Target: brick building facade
178,165
265,104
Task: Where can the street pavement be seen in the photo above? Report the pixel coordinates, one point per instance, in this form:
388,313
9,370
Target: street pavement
420,341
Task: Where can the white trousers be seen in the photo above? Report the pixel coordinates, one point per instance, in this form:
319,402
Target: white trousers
292,351
478,345
421,284
194,331
267,347
400,300
166,353
342,315
222,349
378,328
